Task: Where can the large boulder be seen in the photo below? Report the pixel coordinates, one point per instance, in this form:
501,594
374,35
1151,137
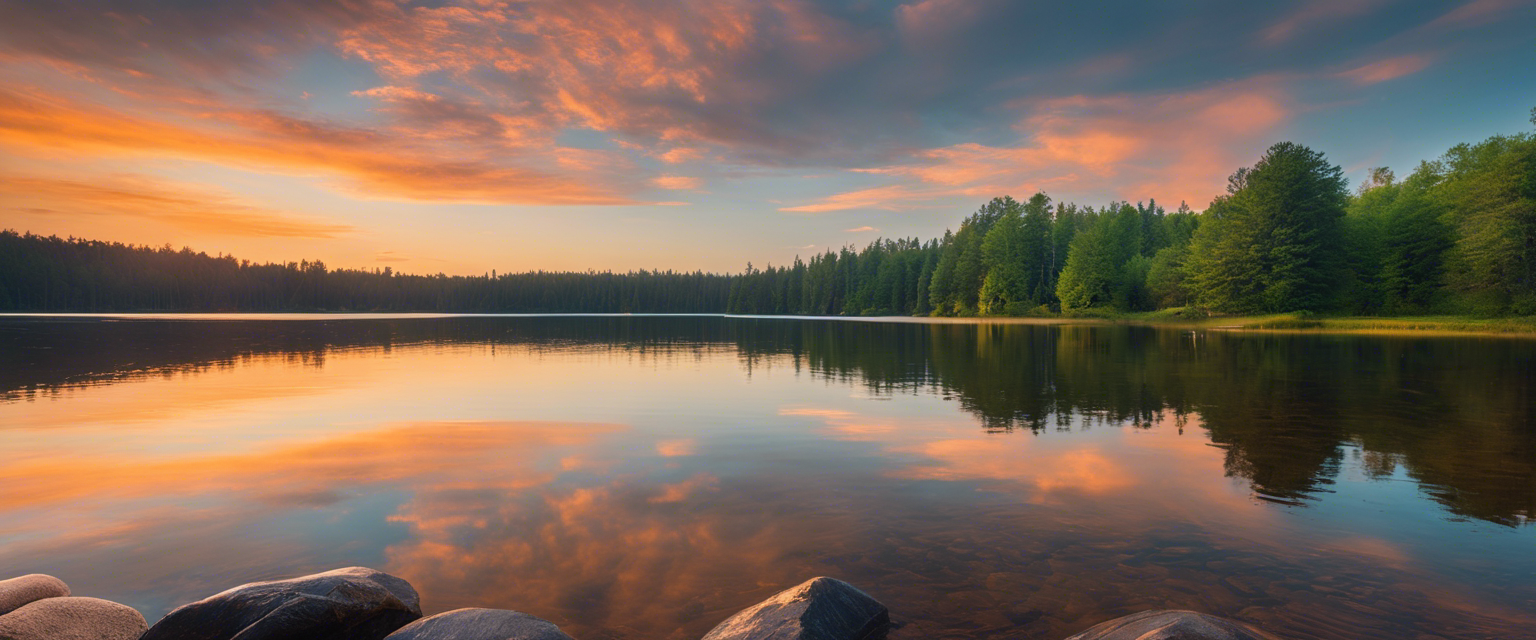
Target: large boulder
480,624
1172,625
817,609
29,588
66,618
346,604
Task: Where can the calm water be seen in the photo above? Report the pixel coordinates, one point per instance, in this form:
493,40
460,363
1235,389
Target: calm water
644,477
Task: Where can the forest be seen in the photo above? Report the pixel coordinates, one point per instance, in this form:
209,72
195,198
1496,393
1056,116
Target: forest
1455,236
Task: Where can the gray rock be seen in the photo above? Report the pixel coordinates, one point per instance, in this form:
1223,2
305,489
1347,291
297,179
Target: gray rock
29,588
480,624
66,618
1172,625
817,609
346,604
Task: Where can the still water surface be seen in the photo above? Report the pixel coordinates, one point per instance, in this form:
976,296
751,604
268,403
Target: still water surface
644,477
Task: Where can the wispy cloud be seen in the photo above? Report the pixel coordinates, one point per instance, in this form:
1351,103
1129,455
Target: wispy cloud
1389,69
185,207
1312,14
864,229
368,163
677,182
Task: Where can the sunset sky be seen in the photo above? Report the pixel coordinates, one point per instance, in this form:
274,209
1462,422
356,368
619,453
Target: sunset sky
462,136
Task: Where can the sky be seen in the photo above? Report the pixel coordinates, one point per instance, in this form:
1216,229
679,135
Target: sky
462,136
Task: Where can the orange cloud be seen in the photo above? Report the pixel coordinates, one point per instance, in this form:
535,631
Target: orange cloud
676,73
890,197
143,199
863,229
1170,147
373,165
680,155
1389,69
677,182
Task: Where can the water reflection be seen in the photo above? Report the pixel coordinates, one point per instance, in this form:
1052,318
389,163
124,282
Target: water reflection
645,477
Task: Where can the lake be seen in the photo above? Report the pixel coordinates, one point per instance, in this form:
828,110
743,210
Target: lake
645,477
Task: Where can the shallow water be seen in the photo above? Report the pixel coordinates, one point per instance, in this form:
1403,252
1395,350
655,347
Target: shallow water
644,477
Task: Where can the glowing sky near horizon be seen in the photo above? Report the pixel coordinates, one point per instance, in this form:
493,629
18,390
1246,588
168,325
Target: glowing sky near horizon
462,136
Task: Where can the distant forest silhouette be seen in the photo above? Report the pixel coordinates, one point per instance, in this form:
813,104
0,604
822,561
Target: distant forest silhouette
1458,236
39,273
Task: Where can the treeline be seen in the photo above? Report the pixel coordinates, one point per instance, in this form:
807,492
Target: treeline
1457,236
40,273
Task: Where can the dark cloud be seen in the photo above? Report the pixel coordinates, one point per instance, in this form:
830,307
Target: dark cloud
198,38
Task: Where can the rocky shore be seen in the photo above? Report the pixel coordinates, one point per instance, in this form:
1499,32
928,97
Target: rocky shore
357,603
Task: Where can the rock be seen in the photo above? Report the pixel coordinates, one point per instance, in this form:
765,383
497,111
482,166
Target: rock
30,588
346,604
1172,625
817,609
66,618
480,624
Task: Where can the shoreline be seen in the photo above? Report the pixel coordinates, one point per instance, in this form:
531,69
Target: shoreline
1288,323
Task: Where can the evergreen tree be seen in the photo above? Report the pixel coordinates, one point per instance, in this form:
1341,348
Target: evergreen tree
1275,245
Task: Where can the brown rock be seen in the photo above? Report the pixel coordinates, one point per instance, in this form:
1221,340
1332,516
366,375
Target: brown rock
30,588
1172,625
817,609
480,624
66,618
355,603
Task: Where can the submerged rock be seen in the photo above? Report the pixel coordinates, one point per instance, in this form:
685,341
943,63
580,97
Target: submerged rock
66,618
480,624
818,609
1172,625
29,588
346,604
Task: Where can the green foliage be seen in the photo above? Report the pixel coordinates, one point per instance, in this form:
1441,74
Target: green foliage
1165,277
1274,244
1489,190
1095,275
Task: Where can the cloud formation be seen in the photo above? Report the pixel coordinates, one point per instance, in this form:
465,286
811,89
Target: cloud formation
1389,69
369,163
919,104
1166,146
138,199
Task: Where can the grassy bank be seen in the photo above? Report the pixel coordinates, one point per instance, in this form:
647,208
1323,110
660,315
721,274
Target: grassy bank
1195,319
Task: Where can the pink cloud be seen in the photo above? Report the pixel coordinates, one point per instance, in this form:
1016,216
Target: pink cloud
1312,13
1171,147
1389,69
1473,13
863,229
